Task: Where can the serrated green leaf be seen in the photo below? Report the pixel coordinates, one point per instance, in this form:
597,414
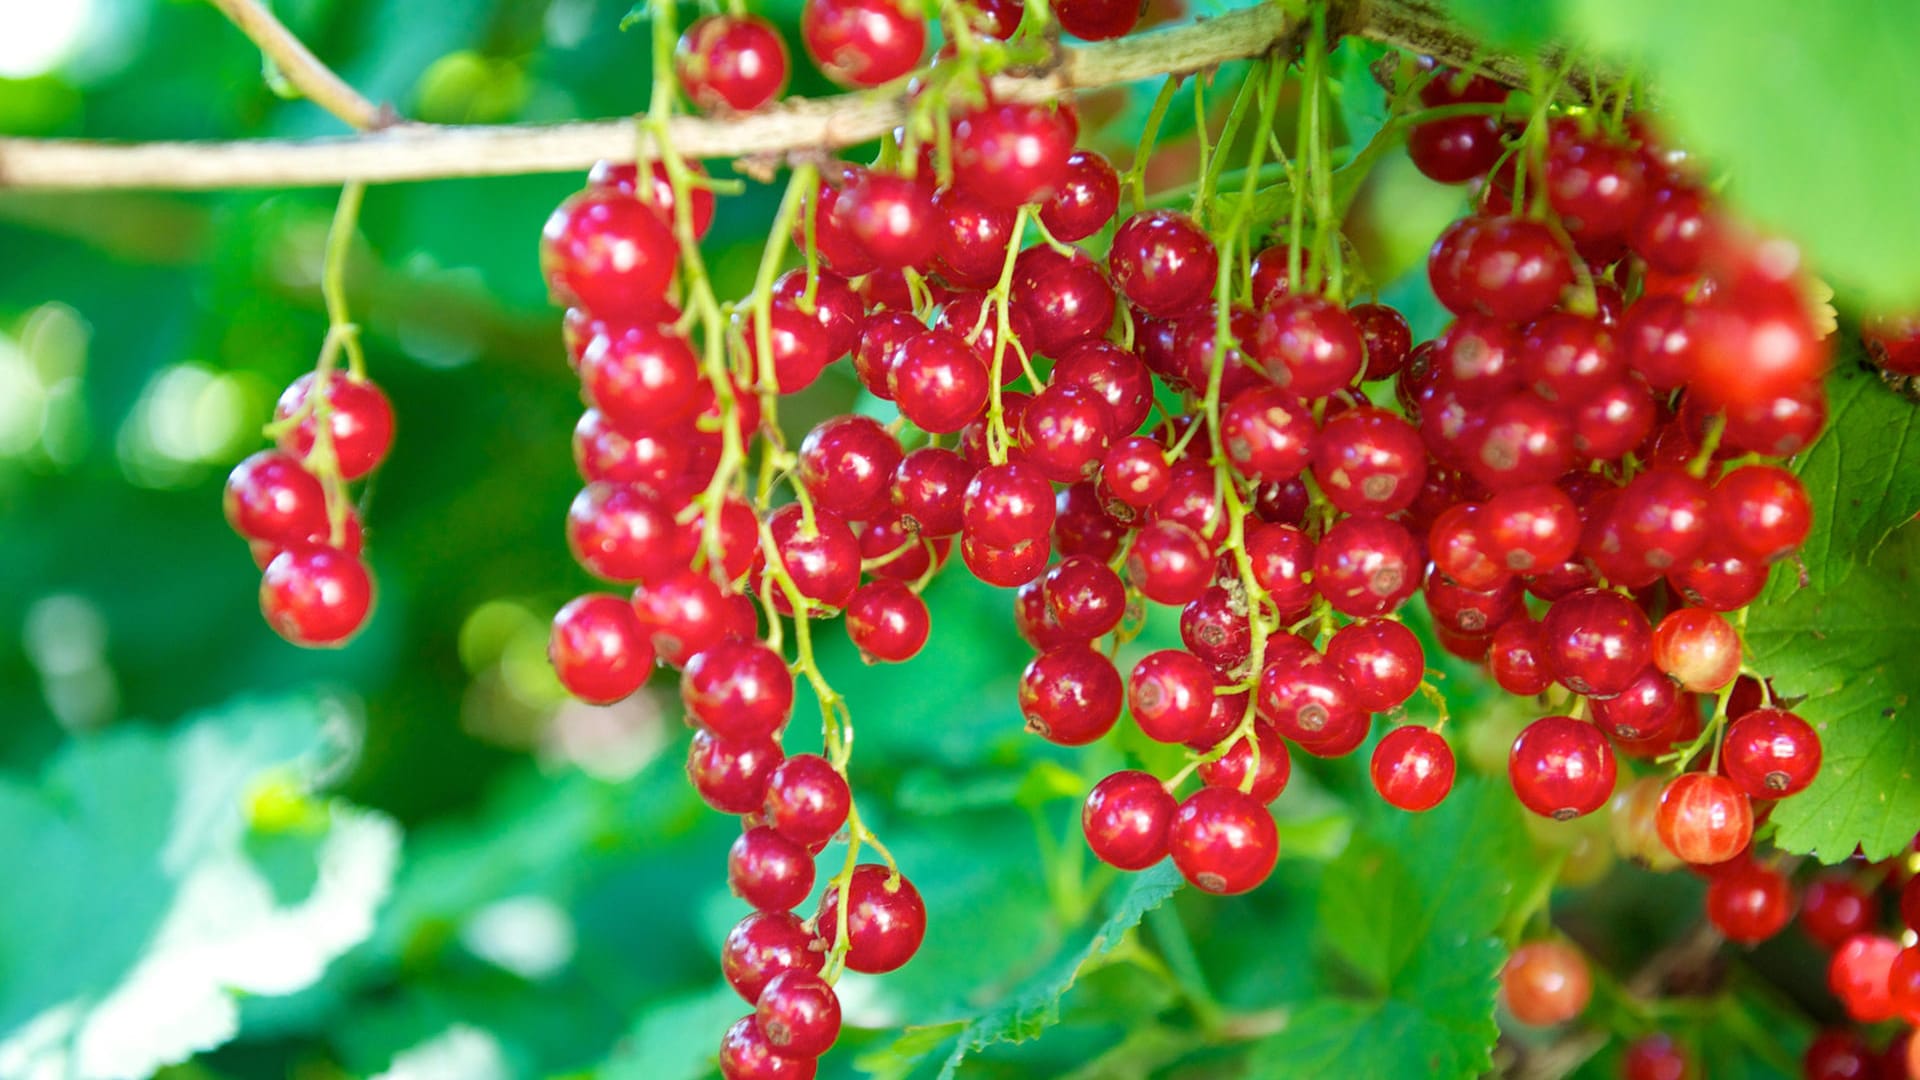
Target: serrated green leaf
1409,915
1030,1012
1814,149
1842,638
148,914
1845,643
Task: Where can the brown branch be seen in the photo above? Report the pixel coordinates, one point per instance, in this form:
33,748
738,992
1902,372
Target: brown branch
424,152
304,70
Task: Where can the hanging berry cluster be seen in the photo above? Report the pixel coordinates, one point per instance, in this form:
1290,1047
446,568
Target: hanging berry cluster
1187,408
292,504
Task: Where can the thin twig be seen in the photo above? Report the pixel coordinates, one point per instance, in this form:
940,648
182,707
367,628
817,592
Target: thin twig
304,70
800,127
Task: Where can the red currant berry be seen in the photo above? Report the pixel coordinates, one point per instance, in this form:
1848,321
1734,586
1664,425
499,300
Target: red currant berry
316,596
608,253
359,418
886,919
970,238
1545,983
731,62
1309,345
1561,768
929,487
1086,597
1749,903
1282,558
1126,818
1223,842
598,649
847,465
1597,641
1839,1055
1169,563
1569,358
1380,659
1170,694
1163,262
1833,909
1513,269
1413,768
1117,376
271,497
1070,696
1698,648
862,43
807,800
1367,566
624,178
1087,196
820,556
1006,505
1771,753
1456,149
1135,472
1370,462
739,690
763,945
887,621
1704,819
1461,542
1858,976
731,775
1012,154
1308,701
1268,434
1517,656
745,1054
1064,431
1097,20
1523,441
1386,337
938,382
1762,510
769,871
1648,709
1004,567
892,217
799,1014
642,378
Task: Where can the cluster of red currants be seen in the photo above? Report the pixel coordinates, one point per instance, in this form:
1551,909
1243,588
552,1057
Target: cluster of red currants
291,506
1872,977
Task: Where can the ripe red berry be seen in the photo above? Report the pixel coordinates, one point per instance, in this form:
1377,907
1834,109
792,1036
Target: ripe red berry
1455,149
807,800
731,62
1126,818
621,533
799,1014
763,945
739,690
1858,975
731,774
745,1054
1749,902
1832,909
887,621
1545,983
1517,656
1386,338
1269,777
360,420
1369,462
1070,696
1088,195
598,649
1513,269
769,871
1223,842
1309,345
316,596
1163,262
1413,768
1655,1057
862,43
1839,1055
1064,431
1381,659
1169,563
1771,753
1307,700
271,497
1170,694
929,486
821,556
847,465
970,238
1596,186
1597,641
1704,819
892,217
1367,566
1762,510
1282,558
886,919
608,253
1647,710
938,382
1561,768
1085,596
1013,153
624,178
1006,505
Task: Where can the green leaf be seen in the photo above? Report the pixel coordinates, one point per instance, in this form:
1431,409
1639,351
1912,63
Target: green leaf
1036,1008
1841,636
675,1041
150,913
1815,149
1409,916
1506,24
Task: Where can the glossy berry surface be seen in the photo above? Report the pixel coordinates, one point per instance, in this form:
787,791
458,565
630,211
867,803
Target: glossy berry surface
763,945
1126,818
1223,842
1561,768
1412,768
886,919
1545,983
599,649
1771,753
745,1054
799,1014
807,800
731,62
359,422
862,42
769,871
316,596
738,690
1704,819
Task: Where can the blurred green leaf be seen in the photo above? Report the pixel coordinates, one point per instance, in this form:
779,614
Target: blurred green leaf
148,914
1505,23
1815,149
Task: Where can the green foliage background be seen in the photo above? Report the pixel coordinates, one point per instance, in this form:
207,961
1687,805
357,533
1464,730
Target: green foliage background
276,862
